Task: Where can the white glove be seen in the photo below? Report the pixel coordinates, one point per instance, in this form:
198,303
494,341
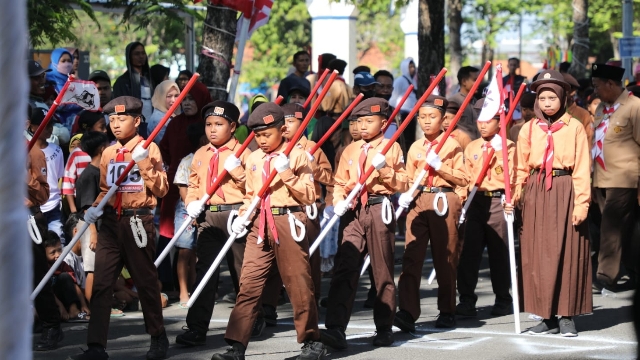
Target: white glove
496,142
433,160
139,153
282,163
92,215
195,208
405,200
231,163
239,224
379,161
328,212
310,157
341,208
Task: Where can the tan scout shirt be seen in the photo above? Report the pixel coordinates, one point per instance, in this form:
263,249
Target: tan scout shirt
338,97
461,137
321,167
452,174
293,187
386,181
621,145
571,152
585,118
232,185
37,185
473,161
151,170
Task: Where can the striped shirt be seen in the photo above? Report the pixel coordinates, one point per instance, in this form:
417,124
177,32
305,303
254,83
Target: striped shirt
78,161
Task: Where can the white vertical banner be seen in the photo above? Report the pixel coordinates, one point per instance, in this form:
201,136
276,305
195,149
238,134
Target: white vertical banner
16,269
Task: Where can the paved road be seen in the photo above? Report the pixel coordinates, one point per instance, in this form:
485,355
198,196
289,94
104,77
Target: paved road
606,334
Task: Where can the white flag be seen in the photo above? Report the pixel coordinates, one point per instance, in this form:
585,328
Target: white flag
436,90
82,93
493,101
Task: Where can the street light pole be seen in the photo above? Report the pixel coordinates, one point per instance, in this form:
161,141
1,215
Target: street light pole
627,32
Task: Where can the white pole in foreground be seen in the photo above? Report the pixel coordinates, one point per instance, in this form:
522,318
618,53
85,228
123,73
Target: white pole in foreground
514,277
242,41
16,264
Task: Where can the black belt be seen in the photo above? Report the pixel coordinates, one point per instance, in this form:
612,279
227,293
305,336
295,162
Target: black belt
223,207
433,189
492,194
130,212
373,199
285,210
554,172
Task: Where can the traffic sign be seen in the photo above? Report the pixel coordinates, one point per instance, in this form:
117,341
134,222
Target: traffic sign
629,47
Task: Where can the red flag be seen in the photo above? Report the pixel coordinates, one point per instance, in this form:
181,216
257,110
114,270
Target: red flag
244,6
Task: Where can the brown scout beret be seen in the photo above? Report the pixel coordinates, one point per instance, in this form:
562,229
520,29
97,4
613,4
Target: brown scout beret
571,80
550,76
604,71
223,109
371,106
265,116
293,110
436,101
124,105
478,105
453,107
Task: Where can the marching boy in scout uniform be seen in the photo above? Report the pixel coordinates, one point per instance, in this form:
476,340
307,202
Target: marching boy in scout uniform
366,226
221,119
485,223
429,220
271,240
322,174
616,170
127,234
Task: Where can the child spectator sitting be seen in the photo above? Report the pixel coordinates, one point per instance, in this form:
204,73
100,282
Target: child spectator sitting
69,297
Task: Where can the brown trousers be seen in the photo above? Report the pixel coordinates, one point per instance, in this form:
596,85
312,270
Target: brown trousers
424,226
212,235
273,286
292,259
616,232
485,227
117,247
362,231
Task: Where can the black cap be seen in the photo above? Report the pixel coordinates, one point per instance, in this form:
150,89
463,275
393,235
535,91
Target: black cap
453,107
371,106
302,86
37,115
325,59
361,68
436,101
86,119
550,77
127,105
604,71
338,64
35,69
223,109
527,100
265,116
292,110
99,75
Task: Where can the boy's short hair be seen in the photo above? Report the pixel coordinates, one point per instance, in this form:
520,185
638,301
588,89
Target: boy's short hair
50,239
382,73
72,222
195,132
94,141
465,72
299,53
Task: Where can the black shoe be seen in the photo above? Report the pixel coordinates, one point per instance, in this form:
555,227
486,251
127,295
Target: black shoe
159,347
383,338
547,326
324,302
235,352
49,339
258,327
467,309
404,321
567,327
191,338
502,309
334,338
312,350
371,299
270,315
446,321
597,287
92,353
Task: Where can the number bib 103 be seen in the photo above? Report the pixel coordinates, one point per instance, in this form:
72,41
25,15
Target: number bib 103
131,184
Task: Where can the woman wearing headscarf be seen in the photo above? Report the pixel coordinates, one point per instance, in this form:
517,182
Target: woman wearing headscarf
175,146
61,66
164,96
554,169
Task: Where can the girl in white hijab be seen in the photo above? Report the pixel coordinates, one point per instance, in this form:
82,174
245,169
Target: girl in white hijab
164,95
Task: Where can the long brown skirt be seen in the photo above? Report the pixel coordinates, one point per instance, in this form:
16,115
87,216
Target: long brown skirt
556,267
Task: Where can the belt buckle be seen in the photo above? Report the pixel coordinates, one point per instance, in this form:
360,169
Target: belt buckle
275,211
555,173
427,189
489,193
214,208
